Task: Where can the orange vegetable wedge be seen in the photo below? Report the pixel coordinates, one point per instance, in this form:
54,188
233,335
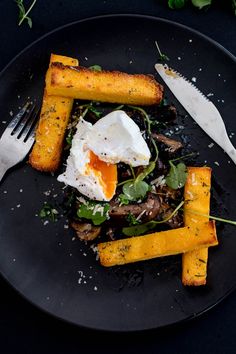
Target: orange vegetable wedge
157,244
197,197
54,117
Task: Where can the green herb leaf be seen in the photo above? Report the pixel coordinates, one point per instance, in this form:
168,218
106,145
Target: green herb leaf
95,68
48,212
23,14
123,199
177,4
132,219
177,175
201,3
96,212
135,190
138,229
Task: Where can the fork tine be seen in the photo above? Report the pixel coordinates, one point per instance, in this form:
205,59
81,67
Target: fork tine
30,138
30,125
23,122
16,119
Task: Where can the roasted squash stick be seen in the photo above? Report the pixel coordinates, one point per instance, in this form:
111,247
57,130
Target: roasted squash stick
197,197
157,244
55,113
104,86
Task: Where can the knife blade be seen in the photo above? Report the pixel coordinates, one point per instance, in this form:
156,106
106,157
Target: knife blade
200,108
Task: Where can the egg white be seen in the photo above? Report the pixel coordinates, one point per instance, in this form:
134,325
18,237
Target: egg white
76,170
114,138
117,138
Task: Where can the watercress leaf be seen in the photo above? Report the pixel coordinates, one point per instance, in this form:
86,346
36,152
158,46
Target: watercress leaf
123,199
177,175
176,4
172,177
138,229
182,174
135,190
96,212
201,3
96,67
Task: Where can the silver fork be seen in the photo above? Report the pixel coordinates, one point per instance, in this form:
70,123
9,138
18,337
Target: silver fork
18,138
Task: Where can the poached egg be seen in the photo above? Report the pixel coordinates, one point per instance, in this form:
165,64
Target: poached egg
95,151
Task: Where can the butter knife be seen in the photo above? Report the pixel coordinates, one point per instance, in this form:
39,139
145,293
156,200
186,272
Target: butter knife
200,108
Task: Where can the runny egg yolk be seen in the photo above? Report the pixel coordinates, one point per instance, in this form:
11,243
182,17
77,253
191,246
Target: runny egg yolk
105,172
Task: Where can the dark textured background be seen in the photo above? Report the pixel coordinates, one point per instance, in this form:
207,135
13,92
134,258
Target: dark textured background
25,329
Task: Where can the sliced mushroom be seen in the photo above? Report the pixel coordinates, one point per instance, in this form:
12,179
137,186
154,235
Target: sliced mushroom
86,231
147,210
172,144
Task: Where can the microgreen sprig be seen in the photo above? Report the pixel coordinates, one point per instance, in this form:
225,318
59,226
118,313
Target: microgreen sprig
162,57
23,14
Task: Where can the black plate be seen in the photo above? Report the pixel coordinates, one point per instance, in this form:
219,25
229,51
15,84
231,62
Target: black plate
61,276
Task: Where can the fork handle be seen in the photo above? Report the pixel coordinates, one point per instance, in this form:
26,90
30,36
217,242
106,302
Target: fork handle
3,168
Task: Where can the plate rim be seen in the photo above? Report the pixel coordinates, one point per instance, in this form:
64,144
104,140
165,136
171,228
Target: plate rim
29,46
92,18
